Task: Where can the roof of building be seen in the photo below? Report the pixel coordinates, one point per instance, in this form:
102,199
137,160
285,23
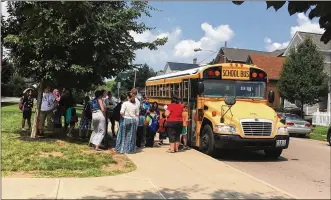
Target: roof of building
178,73
174,66
316,37
235,54
272,65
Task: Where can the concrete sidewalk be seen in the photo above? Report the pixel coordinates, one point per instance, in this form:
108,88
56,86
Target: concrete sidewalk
159,175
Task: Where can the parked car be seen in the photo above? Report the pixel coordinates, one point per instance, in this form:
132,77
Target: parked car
296,125
328,136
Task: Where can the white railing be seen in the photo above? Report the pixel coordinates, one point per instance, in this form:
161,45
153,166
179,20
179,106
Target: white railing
321,118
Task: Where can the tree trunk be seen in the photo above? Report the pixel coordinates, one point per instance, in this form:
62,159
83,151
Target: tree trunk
34,129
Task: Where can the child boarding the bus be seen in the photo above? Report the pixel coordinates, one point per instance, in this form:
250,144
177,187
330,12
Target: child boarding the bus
162,130
183,136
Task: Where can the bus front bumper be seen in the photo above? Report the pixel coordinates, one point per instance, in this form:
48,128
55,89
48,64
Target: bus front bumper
237,142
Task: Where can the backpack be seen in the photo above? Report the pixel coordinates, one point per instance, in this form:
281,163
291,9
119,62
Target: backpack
154,124
88,111
21,104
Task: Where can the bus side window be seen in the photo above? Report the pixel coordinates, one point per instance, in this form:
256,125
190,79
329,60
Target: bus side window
176,89
194,88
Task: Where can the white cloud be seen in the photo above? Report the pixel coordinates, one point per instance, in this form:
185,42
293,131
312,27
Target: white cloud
213,38
272,46
177,50
304,24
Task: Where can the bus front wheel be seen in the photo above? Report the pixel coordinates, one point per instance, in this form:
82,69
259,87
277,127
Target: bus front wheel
273,153
207,143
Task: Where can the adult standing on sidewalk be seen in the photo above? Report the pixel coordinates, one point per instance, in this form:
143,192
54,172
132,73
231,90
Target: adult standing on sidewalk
98,120
110,105
174,114
117,112
46,110
126,138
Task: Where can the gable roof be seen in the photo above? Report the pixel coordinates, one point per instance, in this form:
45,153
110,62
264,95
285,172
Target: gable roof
235,54
316,37
174,66
272,65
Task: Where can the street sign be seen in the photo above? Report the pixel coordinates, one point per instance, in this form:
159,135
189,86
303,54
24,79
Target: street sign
118,84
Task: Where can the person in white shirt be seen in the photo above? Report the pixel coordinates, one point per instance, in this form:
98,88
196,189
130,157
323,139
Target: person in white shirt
48,104
126,138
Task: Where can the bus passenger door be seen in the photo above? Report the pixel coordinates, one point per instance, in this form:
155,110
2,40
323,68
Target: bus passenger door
186,96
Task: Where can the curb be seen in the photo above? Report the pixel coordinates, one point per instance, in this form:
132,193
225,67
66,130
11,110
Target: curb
257,179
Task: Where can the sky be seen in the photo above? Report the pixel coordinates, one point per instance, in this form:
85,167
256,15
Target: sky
208,24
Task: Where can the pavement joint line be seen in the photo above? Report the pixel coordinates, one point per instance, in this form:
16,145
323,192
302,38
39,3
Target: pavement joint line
146,179
257,179
207,179
58,188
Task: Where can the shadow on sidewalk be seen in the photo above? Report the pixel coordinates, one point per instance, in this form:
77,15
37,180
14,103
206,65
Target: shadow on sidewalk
247,156
193,192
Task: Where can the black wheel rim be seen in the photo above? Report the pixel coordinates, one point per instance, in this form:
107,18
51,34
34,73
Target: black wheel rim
205,141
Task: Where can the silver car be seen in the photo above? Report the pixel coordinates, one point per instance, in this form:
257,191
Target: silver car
296,125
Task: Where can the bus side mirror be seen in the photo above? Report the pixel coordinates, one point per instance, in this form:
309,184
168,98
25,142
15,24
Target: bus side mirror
271,96
230,101
282,121
201,88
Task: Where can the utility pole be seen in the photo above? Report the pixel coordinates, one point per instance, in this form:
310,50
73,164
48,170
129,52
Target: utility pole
135,75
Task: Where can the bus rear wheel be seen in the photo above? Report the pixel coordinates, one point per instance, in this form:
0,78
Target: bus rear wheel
274,154
207,143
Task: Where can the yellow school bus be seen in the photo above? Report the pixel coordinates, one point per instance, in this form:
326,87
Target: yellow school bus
228,106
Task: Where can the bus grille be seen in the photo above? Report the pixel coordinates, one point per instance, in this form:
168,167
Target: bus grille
257,128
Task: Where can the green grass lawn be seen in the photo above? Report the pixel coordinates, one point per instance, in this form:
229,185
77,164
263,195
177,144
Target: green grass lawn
319,133
51,157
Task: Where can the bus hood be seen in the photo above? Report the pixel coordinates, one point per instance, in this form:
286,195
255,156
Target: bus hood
243,110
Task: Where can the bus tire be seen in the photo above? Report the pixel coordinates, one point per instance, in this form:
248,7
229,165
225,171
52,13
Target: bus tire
274,154
207,143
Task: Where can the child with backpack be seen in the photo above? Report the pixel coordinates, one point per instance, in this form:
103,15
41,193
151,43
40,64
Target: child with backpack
184,131
162,130
152,124
140,130
71,119
86,120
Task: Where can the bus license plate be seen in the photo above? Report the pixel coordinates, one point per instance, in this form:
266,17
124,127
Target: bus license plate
280,143
239,74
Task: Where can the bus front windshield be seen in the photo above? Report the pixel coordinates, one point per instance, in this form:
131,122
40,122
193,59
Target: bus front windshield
239,89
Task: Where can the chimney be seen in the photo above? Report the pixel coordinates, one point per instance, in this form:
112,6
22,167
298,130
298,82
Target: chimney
195,60
225,44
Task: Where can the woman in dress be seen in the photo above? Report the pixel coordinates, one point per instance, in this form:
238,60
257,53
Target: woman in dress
174,114
126,138
98,121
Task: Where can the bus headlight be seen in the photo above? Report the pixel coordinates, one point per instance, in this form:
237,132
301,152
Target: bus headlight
282,131
226,129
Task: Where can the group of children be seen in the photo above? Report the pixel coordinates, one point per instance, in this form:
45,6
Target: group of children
149,116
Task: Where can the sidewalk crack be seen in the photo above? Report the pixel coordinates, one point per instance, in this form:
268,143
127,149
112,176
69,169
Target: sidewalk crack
58,188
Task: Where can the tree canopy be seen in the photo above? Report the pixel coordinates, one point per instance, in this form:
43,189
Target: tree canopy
75,44
319,9
302,77
127,78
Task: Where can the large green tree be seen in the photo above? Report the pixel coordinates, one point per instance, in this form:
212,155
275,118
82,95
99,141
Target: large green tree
74,44
302,77
319,9
127,78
